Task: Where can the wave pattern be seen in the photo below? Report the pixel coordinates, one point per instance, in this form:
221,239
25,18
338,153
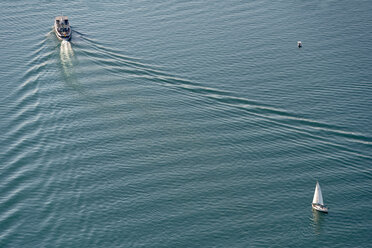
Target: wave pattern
105,149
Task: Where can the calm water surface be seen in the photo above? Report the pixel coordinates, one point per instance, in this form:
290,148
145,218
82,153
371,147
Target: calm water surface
186,124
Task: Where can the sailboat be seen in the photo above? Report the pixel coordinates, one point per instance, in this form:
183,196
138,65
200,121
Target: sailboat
318,203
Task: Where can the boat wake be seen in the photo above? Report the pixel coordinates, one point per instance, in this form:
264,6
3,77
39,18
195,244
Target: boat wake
94,57
66,55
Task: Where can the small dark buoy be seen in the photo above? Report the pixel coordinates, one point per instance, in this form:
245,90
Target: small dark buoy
299,44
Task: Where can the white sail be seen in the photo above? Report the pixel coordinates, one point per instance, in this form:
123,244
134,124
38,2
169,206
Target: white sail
318,198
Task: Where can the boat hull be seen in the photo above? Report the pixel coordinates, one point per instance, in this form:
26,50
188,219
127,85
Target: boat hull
319,208
62,28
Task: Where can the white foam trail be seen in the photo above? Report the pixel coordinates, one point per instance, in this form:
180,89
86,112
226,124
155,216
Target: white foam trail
66,52
66,55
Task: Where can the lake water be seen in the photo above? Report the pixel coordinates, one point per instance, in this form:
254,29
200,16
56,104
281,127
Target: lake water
186,124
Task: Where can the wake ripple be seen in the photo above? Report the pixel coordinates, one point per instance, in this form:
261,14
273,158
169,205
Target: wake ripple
118,64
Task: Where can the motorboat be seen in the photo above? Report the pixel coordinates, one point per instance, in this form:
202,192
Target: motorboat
62,28
318,203
299,44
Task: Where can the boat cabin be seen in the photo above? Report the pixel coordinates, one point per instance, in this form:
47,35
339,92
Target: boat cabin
62,21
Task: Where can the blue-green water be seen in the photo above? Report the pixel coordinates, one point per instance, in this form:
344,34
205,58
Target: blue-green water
186,124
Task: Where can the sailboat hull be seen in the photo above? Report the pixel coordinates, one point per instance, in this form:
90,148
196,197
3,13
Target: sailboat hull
320,208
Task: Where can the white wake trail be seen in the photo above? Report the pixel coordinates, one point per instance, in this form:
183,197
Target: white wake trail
66,55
